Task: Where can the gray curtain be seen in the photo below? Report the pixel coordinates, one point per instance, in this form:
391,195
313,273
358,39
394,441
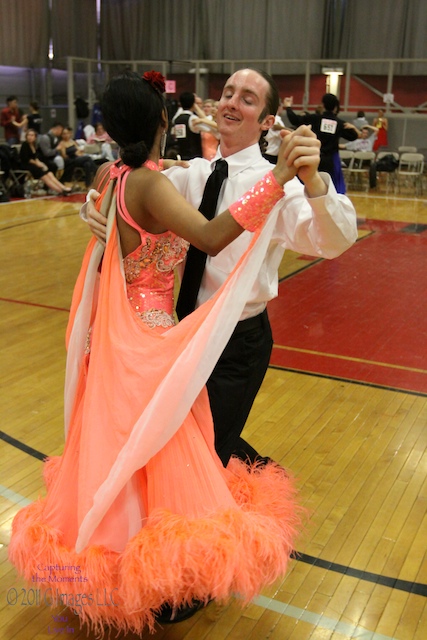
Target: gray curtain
215,29
24,33
144,30
74,30
386,29
273,29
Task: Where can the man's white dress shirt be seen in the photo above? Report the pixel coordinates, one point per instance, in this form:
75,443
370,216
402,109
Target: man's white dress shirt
322,227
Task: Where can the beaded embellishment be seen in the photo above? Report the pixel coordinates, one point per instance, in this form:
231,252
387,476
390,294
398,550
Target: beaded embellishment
253,207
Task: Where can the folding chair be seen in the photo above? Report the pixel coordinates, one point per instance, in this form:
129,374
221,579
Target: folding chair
407,149
345,156
410,172
360,168
16,180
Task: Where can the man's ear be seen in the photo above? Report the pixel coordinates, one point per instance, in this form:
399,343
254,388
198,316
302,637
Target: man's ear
267,123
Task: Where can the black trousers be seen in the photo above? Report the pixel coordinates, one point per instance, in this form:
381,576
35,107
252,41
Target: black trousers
234,384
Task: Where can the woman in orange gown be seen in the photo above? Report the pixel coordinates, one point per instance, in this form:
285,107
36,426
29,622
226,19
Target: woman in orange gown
139,510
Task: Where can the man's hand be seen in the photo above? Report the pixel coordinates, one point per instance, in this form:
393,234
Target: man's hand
299,154
97,221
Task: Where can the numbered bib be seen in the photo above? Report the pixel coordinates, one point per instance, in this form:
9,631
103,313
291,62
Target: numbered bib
180,131
328,126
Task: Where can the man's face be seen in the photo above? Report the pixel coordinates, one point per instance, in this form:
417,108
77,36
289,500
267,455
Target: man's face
365,133
13,104
242,102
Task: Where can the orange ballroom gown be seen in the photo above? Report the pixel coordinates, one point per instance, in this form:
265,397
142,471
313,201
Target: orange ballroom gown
139,510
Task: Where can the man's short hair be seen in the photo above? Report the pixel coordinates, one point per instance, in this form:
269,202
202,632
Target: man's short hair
330,102
186,99
272,98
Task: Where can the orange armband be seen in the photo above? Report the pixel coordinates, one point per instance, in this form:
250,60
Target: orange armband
254,206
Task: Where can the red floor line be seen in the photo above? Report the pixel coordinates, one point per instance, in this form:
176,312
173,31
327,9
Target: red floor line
34,304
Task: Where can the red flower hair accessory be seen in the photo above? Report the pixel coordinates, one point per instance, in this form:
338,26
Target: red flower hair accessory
156,80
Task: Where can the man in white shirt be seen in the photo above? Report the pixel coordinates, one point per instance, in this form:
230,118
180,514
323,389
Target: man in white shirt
273,139
313,219
365,142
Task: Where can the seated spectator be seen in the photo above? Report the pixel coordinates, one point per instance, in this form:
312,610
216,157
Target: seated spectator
31,162
49,150
75,157
34,119
13,121
101,136
365,141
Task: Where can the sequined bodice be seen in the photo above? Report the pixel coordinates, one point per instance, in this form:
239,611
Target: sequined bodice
149,272
149,269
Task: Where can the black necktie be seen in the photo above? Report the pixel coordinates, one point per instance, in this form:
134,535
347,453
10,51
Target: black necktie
196,259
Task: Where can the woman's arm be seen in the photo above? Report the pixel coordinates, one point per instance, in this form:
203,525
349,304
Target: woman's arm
156,205
62,149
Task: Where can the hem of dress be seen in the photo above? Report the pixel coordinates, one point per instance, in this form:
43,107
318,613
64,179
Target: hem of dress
173,559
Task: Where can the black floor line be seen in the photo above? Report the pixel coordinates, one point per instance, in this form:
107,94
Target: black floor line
393,583
23,447
349,380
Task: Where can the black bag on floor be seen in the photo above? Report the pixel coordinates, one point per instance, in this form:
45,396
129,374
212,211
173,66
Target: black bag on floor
387,163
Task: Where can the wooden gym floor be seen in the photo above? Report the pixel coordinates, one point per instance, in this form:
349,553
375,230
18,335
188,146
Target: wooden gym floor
343,405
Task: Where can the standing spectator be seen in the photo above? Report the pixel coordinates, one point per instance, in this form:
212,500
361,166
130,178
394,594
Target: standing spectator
13,121
329,129
360,121
381,123
34,118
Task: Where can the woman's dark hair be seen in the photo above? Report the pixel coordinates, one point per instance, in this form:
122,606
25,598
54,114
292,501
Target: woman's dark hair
132,110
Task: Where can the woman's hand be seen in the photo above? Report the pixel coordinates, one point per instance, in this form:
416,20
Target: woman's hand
168,163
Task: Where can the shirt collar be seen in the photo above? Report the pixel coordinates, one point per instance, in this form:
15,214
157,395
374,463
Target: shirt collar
239,161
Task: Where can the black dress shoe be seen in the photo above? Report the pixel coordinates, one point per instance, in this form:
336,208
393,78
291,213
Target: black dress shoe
167,615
